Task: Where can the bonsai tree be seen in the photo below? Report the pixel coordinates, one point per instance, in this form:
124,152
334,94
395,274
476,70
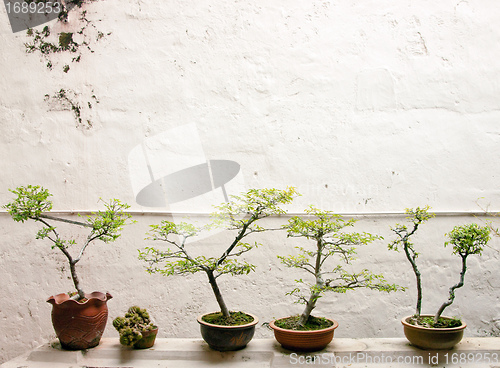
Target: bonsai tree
132,325
466,240
239,215
417,217
32,202
325,230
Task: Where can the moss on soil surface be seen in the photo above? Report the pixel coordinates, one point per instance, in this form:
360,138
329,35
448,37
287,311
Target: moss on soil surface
429,322
236,319
313,323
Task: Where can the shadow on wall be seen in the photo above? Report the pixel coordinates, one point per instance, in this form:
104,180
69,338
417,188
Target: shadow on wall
170,171
23,15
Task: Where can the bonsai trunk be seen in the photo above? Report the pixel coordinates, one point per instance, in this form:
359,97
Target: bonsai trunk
452,289
218,295
76,281
418,308
72,266
210,272
311,303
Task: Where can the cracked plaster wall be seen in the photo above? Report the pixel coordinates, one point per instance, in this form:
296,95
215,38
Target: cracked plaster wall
364,106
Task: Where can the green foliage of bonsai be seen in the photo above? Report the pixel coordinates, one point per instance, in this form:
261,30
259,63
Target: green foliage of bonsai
325,230
132,325
466,240
239,215
32,202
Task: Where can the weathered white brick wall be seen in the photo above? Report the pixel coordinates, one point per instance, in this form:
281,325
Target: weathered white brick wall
364,106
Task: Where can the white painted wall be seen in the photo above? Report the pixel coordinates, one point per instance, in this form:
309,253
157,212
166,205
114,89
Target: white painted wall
364,106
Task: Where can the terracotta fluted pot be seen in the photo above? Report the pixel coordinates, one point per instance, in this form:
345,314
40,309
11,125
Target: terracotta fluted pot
79,325
313,340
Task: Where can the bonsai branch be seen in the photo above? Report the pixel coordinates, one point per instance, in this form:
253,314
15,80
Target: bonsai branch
90,238
64,220
241,234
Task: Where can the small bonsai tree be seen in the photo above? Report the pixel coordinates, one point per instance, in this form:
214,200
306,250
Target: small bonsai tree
417,217
32,202
325,229
466,240
132,325
239,215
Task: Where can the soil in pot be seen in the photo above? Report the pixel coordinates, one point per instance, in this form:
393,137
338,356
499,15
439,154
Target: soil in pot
224,334
235,319
428,321
315,335
313,323
435,338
